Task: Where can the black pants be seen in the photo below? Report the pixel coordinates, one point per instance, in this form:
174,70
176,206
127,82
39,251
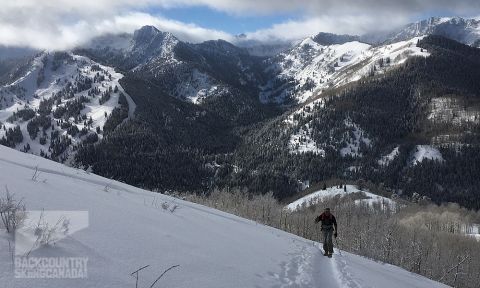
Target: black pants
327,240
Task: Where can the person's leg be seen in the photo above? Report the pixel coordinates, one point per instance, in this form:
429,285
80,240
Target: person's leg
330,241
325,241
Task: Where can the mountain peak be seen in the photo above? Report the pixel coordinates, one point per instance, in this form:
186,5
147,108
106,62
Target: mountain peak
326,39
145,33
459,29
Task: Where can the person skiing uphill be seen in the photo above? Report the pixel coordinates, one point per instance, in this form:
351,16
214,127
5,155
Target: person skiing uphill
329,229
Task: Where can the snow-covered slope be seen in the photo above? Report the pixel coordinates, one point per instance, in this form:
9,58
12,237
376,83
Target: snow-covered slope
69,96
309,67
128,229
315,197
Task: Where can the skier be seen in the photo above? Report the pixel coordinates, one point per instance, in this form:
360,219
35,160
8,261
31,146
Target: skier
328,224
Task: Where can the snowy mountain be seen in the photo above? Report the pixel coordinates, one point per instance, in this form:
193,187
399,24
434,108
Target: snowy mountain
129,228
145,45
466,31
328,61
406,111
192,72
62,100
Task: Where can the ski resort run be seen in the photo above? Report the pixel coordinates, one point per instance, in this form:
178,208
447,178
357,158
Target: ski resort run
129,228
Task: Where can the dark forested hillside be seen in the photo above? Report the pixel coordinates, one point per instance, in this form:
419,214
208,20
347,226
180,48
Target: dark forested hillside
170,142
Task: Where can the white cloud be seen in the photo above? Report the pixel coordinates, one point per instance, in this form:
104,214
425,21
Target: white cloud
333,7
61,24
184,31
292,30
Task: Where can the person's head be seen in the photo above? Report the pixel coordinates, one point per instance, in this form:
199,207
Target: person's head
327,211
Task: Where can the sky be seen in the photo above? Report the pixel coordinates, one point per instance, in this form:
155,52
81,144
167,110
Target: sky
64,24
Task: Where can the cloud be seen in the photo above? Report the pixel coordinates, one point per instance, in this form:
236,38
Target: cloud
338,7
62,24
185,31
59,24
296,29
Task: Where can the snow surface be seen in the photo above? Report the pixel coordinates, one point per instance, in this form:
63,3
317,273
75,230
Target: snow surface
315,197
128,229
423,152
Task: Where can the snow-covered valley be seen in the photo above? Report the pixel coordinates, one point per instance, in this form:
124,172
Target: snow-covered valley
130,228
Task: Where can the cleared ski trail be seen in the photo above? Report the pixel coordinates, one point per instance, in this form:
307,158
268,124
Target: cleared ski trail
129,229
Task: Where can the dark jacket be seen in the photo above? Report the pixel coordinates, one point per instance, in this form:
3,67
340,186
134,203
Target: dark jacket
328,222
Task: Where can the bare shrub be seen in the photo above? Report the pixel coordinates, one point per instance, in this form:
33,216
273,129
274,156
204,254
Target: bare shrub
12,212
47,233
36,176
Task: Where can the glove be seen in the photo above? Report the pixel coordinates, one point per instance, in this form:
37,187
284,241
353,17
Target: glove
335,234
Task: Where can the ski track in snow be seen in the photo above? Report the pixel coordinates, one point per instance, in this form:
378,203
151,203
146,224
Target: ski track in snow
306,269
